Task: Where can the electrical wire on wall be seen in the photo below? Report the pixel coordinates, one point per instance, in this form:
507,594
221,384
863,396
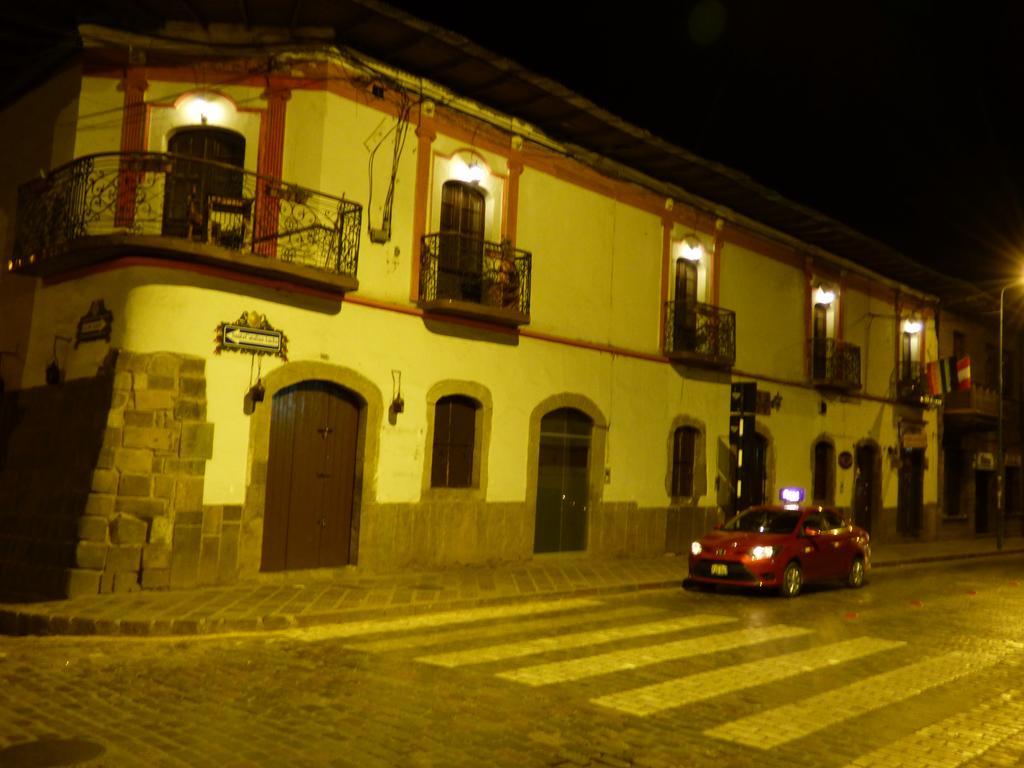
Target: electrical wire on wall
400,130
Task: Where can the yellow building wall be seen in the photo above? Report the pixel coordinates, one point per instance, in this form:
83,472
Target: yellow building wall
768,298
583,241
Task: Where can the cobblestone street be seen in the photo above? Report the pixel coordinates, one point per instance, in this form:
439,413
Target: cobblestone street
920,668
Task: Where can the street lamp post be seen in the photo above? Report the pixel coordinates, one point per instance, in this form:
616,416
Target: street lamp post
1000,456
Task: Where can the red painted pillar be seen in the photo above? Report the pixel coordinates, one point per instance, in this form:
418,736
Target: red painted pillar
269,165
133,140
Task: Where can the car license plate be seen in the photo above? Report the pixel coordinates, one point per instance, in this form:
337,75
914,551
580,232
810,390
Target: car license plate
719,569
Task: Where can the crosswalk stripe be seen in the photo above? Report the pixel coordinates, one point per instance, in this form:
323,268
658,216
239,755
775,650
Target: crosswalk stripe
573,640
444,618
601,664
952,742
461,634
794,721
705,685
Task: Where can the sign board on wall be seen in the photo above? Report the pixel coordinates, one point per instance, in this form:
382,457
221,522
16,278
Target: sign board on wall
253,334
94,324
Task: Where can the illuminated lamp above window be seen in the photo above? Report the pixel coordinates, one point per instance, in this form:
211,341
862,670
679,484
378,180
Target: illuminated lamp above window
472,172
692,249
824,296
912,326
203,109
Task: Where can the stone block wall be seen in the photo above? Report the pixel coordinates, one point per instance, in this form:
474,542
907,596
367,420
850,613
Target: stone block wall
684,525
101,483
51,440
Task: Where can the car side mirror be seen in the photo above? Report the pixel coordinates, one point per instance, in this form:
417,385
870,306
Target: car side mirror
811,531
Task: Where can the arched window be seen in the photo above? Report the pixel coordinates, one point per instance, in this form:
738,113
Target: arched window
684,444
454,442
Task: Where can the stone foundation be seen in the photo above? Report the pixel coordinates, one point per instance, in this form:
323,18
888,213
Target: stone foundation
101,481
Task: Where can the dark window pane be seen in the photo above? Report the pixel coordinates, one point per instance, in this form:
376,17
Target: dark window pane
454,442
683,444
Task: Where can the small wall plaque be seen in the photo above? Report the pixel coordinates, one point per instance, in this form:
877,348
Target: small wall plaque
845,459
253,334
94,324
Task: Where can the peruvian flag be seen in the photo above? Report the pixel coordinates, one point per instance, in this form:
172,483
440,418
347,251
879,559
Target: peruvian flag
963,373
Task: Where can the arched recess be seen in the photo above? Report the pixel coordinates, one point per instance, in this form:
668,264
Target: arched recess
482,437
595,468
700,475
367,451
823,471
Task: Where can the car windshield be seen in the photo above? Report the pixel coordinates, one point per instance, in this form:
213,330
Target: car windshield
765,521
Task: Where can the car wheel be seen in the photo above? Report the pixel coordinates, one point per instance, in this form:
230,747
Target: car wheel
792,580
855,579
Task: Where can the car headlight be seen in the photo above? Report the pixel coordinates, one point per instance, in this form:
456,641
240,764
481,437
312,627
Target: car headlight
696,548
762,553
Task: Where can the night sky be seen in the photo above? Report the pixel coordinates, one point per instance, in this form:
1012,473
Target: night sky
902,119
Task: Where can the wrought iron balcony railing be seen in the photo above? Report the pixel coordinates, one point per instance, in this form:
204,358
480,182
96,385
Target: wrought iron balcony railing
183,199
911,385
834,364
472,277
700,333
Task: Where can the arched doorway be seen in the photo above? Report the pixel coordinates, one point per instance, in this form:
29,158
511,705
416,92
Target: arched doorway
190,184
311,469
865,485
562,481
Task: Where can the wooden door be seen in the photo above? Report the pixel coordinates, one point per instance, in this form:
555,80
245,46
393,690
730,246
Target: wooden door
685,308
314,427
864,486
461,245
910,504
562,487
819,343
190,184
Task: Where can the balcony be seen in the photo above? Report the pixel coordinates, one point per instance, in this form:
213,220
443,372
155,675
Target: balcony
700,334
834,364
911,385
973,410
473,278
108,206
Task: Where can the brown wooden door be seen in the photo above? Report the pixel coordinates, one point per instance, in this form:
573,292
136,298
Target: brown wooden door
819,343
310,477
461,246
685,312
864,486
190,184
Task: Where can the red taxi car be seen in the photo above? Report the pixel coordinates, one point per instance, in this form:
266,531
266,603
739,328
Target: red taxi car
781,547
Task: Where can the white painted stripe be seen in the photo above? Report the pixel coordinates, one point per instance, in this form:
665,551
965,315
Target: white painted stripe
462,634
716,682
616,661
427,620
795,721
574,640
956,740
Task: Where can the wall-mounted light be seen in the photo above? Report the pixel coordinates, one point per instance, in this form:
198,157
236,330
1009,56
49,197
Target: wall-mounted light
824,296
912,326
397,403
472,172
203,109
692,249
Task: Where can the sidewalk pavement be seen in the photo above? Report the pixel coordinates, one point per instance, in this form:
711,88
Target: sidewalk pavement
308,598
